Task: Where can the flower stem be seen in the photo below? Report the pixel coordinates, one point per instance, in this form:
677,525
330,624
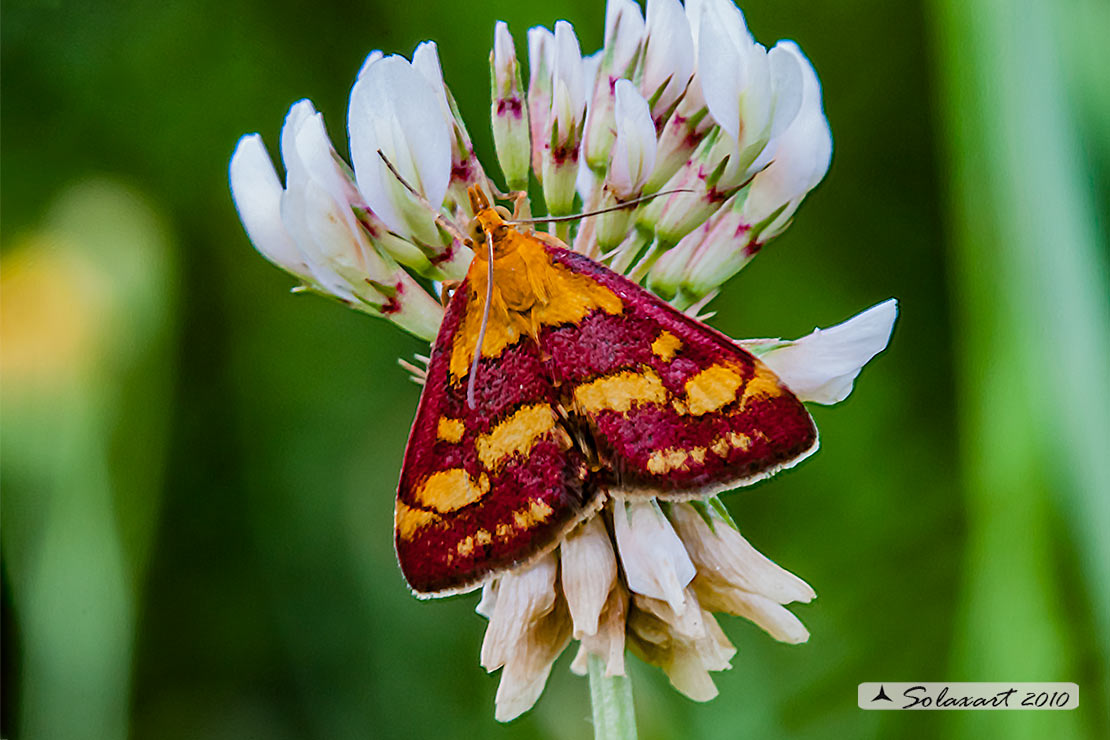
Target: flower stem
611,697
562,232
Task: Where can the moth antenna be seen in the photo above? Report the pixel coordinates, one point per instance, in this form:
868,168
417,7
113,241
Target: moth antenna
470,382
400,178
618,207
441,221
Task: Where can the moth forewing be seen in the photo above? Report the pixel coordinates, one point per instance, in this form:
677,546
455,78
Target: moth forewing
554,382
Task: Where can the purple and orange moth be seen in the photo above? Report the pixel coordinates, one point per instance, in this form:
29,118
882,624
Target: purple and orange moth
555,383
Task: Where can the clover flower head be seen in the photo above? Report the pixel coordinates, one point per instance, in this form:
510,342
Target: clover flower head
680,103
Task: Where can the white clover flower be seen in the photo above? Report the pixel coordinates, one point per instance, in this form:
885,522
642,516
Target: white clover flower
632,158
797,159
633,152
751,93
466,170
541,57
509,113
624,31
562,138
668,57
683,99
624,34
678,566
257,192
821,366
396,112
310,228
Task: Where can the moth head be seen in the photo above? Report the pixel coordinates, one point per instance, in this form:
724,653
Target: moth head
489,220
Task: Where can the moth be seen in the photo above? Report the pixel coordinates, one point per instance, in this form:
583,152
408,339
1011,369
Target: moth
554,384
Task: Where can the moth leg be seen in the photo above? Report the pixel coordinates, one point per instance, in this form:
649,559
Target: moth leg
581,438
522,209
492,187
418,371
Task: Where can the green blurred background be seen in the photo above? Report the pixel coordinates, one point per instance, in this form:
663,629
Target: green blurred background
199,467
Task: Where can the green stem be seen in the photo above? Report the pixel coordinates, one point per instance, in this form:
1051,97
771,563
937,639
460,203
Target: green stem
562,231
611,697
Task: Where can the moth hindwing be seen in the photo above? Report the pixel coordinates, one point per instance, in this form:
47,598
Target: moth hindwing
587,386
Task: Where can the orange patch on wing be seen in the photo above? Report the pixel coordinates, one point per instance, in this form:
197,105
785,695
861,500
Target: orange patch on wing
740,441
666,345
620,392
722,444
407,519
664,461
467,544
536,513
712,388
763,384
448,490
529,292
515,435
450,430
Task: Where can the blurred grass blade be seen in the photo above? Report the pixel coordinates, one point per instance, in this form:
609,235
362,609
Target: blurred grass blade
1033,333
86,338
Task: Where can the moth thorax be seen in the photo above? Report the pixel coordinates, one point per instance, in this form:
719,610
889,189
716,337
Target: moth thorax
517,295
